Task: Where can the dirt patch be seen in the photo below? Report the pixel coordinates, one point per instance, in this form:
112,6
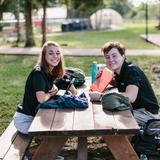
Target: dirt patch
97,149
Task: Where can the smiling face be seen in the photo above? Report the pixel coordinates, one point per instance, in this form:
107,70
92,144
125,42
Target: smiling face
52,56
114,60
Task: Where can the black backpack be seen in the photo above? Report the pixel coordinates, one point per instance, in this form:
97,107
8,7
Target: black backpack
71,73
148,141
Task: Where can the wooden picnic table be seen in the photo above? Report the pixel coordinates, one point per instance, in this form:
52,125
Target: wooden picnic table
114,127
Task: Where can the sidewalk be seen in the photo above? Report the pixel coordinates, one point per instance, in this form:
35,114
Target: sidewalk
152,38
74,52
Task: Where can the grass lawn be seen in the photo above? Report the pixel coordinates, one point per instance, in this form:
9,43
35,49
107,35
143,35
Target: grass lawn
15,69
129,36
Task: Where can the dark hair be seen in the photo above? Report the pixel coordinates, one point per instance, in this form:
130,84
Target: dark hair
109,45
58,71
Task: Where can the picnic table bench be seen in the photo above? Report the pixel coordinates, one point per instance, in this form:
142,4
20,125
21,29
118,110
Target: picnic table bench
114,127
13,145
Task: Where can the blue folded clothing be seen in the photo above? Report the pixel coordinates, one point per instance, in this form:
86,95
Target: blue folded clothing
66,101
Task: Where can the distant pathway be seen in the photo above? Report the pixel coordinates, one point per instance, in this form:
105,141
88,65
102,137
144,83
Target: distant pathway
153,38
73,51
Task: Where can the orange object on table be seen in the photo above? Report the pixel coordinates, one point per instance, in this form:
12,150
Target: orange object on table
102,81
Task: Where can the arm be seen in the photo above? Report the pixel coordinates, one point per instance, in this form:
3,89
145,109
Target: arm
73,90
43,97
131,92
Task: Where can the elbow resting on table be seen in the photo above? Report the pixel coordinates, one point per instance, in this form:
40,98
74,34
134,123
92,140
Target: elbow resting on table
42,96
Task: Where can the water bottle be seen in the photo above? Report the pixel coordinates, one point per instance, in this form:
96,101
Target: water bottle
143,157
94,71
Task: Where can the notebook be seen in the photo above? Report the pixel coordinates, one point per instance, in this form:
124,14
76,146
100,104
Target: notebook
103,81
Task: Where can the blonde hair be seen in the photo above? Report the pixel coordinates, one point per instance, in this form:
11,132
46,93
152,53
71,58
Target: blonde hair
58,71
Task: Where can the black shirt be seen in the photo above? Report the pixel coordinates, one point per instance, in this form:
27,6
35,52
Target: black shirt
131,74
36,81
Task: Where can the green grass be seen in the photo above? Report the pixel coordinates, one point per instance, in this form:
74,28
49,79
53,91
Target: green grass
130,37
15,69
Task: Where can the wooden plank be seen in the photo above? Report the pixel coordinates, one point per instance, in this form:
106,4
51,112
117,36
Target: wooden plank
83,120
18,148
42,121
63,120
82,148
126,124
50,148
121,147
7,138
103,120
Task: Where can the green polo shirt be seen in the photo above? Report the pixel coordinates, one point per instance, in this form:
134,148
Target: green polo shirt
131,74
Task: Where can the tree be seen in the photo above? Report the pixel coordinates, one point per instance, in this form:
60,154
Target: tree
29,41
44,5
81,8
6,5
123,6
16,13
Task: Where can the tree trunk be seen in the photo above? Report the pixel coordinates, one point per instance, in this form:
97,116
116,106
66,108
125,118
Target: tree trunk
1,24
44,22
29,40
17,25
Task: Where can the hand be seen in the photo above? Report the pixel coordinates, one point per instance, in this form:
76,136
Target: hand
99,74
73,89
95,96
53,91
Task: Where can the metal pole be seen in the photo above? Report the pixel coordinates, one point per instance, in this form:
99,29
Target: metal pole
146,20
159,17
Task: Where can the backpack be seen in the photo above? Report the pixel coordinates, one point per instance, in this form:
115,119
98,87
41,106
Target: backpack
148,141
152,127
76,73
115,102
71,73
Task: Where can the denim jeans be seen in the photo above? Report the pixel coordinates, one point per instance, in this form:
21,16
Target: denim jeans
22,122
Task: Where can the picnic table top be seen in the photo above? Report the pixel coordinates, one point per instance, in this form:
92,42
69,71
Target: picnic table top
83,122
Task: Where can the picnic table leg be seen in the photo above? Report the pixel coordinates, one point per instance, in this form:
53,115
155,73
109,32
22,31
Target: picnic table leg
82,148
121,147
49,148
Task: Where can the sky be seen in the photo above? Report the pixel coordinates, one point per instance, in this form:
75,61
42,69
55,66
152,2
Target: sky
138,2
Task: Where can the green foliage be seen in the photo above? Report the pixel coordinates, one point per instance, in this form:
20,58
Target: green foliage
81,8
123,6
8,5
153,11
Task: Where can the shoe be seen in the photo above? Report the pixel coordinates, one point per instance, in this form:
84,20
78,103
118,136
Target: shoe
60,158
143,157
